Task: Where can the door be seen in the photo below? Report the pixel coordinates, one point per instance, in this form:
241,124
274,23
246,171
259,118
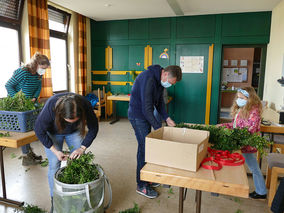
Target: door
190,92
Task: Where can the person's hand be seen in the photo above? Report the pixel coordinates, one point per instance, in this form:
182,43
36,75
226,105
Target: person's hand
33,100
77,153
170,122
60,155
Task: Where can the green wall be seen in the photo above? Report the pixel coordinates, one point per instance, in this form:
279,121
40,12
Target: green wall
189,35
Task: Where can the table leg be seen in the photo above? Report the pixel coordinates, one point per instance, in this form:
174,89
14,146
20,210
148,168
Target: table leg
116,118
271,139
180,207
4,198
198,200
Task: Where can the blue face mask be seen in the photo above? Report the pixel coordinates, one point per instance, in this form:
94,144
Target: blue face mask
166,84
241,102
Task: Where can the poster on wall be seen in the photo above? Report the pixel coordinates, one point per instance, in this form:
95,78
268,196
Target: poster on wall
244,73
192,64
236,74
244,63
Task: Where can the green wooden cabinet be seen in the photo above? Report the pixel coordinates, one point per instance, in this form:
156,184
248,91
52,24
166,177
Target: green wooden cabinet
100,30
186,35
246,24
157,50
120,57
190,93
98,58
118,30
159,28
196,26
138,29
136,55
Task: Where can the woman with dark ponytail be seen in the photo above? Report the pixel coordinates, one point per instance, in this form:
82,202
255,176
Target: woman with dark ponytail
65,116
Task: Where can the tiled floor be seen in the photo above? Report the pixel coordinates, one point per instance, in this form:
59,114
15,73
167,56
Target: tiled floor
115,150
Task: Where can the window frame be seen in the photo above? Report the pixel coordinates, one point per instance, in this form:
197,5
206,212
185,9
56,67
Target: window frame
63,36
16,25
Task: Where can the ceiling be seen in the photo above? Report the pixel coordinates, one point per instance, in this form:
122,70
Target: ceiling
133,9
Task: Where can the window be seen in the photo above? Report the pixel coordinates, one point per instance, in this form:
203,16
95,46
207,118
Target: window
11,11
10,47
9,56
58,26
59,62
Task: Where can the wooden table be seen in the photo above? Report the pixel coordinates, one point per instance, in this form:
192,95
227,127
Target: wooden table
272,129
16,140
230,180
115,98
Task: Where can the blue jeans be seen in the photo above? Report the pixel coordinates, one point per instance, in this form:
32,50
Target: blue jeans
157,115
73,141
141,128
257,176
26,148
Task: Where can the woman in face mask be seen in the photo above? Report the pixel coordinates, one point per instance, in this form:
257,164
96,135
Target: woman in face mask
246,112
28,80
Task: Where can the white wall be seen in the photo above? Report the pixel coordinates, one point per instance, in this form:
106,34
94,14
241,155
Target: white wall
25,34
273,92
73,52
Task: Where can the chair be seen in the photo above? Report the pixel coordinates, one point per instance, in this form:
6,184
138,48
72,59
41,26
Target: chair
101,103
278,143
275,167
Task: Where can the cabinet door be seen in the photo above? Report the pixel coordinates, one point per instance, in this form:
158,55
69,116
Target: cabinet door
157,51
190,92
136,55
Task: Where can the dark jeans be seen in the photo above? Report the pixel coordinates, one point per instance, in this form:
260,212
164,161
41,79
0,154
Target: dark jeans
278,201
26,148
141,128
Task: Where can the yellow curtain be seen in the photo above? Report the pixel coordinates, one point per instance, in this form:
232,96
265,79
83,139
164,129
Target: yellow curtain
39,38
82,61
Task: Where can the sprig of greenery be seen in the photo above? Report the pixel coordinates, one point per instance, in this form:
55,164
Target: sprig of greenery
18,103
79,171
44,163
13,155
133,74
7,134
135,209
223,138
30,209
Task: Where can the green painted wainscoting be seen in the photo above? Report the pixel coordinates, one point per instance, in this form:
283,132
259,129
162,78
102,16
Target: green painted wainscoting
187,35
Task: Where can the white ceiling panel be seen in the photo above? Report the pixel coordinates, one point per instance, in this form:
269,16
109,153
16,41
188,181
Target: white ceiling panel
133,9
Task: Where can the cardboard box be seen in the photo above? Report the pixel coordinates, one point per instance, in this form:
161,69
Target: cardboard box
180,148
271,115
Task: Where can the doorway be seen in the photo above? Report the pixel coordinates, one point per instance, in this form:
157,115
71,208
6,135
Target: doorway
241,67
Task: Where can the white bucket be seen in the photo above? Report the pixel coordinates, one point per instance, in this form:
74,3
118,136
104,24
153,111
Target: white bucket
85,198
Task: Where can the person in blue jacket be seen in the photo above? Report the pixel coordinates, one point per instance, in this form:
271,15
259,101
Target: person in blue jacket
147,94
28,80
65,116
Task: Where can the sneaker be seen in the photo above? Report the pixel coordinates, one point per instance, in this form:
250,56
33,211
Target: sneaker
147,192
254,195
215,194
154,185
36,157
29,160
51,209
